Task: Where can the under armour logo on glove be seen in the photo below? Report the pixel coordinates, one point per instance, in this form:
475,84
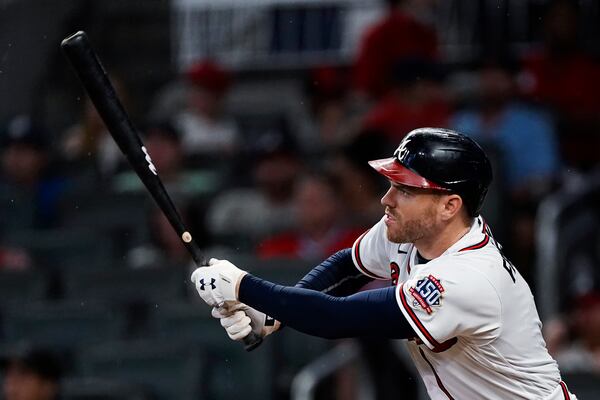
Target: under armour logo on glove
212,284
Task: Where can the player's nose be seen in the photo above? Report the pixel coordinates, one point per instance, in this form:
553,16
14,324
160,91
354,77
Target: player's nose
386,200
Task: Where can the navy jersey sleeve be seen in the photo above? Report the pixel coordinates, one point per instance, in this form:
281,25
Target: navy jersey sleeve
336,276
372,313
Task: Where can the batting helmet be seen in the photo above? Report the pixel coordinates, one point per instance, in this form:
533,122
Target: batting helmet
440,159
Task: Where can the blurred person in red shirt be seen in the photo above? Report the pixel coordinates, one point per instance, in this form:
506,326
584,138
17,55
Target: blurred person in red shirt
334,111
416,98
582,354
320,228
561,75
399,34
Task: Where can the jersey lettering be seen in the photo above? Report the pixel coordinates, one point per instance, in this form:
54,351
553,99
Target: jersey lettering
508,266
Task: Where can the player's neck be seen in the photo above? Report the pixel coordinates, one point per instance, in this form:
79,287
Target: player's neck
435,245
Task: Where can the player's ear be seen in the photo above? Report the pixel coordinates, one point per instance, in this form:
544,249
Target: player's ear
451,205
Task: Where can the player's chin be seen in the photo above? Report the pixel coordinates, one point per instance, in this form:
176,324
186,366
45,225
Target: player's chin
393,236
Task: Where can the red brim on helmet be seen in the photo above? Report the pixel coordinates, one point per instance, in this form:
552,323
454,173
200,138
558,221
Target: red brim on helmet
398,173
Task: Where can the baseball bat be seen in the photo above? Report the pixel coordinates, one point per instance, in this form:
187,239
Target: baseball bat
94,78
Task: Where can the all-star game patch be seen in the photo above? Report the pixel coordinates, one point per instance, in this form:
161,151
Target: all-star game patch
427,293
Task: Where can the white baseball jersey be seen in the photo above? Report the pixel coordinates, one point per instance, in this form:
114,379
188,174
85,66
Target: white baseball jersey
479,334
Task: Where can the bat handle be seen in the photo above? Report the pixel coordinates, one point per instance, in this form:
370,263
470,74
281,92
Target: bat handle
252,341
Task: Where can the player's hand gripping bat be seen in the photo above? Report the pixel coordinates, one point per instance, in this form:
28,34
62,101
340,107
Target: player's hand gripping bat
84,59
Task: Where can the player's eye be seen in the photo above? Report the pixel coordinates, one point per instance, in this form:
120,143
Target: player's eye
402,190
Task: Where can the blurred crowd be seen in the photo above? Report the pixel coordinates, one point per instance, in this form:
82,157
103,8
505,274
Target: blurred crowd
252,185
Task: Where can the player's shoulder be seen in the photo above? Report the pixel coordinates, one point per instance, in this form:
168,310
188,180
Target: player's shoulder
470,270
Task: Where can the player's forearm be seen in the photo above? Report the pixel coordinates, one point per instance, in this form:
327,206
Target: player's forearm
372,313
336,276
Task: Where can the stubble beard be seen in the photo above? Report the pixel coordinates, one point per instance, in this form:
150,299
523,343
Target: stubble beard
411,230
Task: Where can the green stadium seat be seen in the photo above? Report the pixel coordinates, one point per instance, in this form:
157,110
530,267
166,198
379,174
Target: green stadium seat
119,286
165,369
81,248
190,322
21,287
232,370
62,326
234,373
75,388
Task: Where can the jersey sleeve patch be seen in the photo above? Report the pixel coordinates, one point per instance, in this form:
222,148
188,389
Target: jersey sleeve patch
427,293
424,336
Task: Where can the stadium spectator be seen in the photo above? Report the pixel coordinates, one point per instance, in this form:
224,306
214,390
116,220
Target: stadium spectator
204,127
163,245
524,135
398,35
87,146
525,139
163,143
582,354
357,185
334,110
29,188
416,98
31,374
319,227
246,215
561,75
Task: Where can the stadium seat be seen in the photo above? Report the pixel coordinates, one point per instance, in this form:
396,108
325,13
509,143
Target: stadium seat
235,373
165,369
20,287
294,350
121,286
120,218
64,248
74,388
231,368
187,322
62,326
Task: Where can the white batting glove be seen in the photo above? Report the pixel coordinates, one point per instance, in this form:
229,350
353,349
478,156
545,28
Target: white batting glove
218,283
239,319
236,323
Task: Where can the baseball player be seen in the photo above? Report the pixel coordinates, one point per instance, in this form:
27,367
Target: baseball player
469,318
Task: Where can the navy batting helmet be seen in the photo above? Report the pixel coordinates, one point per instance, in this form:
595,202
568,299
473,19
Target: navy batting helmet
440,159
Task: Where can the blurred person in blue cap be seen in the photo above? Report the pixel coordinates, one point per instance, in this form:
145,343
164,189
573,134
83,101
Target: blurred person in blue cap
29,189
31,374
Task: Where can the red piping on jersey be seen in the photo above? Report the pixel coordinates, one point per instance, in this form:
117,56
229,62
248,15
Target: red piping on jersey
437,347
484,227
565,390
437,377
359,261
485,240
479,245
